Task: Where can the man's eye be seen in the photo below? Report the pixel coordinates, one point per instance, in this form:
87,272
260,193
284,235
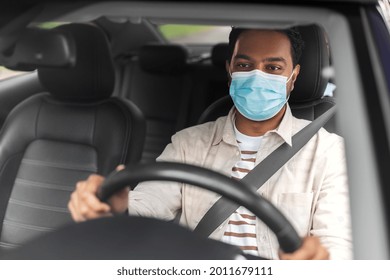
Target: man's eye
243,65
274,67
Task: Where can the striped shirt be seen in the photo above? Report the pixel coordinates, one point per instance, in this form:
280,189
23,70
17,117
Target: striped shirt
241,229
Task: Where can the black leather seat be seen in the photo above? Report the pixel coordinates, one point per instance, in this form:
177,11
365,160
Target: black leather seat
306,100
158,82
56,138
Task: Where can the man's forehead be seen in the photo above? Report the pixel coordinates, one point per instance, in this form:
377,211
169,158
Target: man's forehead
269,34
263,42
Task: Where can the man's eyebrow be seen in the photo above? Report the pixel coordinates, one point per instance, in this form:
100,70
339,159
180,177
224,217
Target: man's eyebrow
275,59
242,56
267,59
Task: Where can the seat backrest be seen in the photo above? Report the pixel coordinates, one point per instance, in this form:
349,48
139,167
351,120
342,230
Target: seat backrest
306,100
158,82
56,138
210,82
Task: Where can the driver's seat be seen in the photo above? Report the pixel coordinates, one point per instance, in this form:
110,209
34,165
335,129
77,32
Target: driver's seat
56,138
307,100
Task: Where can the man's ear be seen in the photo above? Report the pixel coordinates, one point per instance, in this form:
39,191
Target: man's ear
296,70
227,67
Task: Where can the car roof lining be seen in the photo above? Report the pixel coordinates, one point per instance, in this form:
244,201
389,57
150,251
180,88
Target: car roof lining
271,16
121,43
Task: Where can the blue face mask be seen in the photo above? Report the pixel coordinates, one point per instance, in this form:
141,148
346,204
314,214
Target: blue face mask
258,96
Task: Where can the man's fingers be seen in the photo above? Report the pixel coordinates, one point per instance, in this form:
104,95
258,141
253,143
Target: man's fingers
298,255
311,249
74,212
92,203
84,203
92,184
321,254
315,249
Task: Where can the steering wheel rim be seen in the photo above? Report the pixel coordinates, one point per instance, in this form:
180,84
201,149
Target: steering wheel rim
234,190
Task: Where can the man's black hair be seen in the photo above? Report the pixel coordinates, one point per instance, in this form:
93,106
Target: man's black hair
293,35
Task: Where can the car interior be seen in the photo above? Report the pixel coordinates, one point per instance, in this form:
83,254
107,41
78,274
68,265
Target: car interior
58,137
119,101
108,110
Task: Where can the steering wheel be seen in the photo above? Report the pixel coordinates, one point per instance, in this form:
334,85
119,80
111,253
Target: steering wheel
124,237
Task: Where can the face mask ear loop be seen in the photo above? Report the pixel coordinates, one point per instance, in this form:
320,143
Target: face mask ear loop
288,97
290,77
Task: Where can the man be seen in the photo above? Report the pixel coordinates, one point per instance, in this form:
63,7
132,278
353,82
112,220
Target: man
311,189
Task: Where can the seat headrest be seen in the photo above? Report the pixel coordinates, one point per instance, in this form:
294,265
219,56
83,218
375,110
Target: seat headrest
219,54
310,84
92,76
163,59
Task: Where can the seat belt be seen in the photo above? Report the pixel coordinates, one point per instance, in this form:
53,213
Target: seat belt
224,208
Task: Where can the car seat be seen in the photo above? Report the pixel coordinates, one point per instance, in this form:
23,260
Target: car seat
306,100
56,138
158,82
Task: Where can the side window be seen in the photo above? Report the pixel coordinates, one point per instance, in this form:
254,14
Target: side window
380,23
194,34
331,87
6,73
385,9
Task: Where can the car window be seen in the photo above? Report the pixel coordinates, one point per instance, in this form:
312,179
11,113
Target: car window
7,73
194,34
385,6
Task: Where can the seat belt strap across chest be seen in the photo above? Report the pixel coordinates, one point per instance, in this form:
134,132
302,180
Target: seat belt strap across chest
224,208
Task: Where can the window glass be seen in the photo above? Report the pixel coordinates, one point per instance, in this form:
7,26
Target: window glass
7,73
385,6
195,34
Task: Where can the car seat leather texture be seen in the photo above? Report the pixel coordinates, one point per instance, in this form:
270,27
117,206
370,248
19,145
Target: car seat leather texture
56,138
158,82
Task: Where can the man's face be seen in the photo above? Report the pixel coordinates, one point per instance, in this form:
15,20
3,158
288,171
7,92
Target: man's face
265,50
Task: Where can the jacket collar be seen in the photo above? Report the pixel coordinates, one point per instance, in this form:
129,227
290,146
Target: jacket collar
225,129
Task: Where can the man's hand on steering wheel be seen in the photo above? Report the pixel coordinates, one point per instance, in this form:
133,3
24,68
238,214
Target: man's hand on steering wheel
85,205
311,249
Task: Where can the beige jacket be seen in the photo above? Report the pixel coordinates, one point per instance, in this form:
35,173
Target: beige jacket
311,189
